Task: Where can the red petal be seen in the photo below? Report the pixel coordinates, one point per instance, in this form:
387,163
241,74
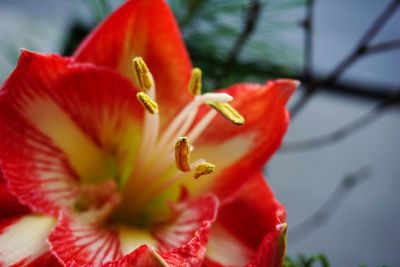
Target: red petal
258,209
143,256
23,241
145,28
239,151
190,216
272,250
77,238
192,254
188,234
45,260
9,204
260,216
64,121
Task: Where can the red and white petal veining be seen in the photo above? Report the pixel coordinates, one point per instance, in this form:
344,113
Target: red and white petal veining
84,239
145,28
191,254
225,249
23,240
260,216
240,151
271,251
190,216
65,122
185,238
143,256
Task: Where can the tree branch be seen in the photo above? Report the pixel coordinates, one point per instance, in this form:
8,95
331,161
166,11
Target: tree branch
384,46
253,13
361,47
360,50
321,216
308,26
343,132
308,80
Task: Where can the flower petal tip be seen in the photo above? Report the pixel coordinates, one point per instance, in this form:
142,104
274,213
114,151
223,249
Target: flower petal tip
25,56
287,87
282,228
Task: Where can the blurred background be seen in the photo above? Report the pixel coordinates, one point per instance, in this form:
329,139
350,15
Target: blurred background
338,171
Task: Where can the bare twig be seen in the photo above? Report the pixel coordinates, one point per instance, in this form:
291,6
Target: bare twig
253,13
308,80
249,26
362,90
362,45
329,207
308,41
384,46
360,50
342,133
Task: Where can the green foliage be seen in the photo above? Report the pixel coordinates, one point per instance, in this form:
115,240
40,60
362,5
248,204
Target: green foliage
317,260
304,261
211,28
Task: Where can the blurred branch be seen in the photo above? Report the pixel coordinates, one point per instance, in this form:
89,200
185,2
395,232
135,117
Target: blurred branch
344,132
308,25
329,207
362,46
250,23
362,90
252,16
192,7
360,50
384,46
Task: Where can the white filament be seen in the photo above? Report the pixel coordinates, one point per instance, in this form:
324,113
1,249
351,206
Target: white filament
157,150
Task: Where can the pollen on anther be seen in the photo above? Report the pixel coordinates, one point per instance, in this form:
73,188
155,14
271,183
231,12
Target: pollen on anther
203,168
227,111
150,105
182,154
195,82
141,74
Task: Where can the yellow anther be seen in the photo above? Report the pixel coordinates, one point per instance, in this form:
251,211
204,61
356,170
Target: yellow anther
141,74
182,154
227,111
195,82
147,102
204,168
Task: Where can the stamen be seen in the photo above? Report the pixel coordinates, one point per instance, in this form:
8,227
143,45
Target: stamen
170,134
147,102
201,126
182,154
217,97
141,74
227,111
204,168
195,82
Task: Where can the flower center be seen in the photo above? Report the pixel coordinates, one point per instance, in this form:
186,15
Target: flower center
163,158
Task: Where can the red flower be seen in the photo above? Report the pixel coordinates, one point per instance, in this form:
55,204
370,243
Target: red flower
98,180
